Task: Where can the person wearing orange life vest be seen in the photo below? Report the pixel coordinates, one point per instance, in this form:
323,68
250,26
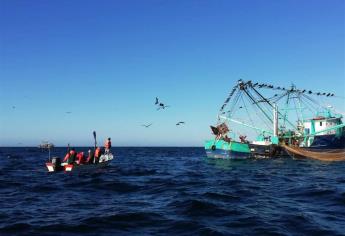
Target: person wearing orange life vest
107,145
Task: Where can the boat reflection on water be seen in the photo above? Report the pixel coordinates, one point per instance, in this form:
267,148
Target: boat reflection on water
227,164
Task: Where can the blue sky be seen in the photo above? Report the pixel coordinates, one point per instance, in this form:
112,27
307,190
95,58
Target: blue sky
106,61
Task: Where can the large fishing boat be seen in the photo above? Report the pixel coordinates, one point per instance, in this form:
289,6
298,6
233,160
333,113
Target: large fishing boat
273,118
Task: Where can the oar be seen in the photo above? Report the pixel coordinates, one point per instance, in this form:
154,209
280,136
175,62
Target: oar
94,136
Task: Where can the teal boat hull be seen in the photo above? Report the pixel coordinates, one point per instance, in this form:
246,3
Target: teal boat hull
227,150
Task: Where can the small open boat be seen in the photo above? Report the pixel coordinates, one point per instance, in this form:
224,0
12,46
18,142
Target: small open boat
55,165
321,155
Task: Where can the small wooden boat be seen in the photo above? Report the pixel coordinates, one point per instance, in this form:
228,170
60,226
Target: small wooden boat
323,155
55,165
46,145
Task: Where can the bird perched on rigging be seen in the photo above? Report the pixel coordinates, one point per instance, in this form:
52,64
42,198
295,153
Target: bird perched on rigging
180,122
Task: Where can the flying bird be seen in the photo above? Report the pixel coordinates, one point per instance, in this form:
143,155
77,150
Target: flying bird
13,107
68,112
160,105
146,126
180,122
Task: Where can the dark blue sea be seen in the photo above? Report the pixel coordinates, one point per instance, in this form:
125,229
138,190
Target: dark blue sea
170,191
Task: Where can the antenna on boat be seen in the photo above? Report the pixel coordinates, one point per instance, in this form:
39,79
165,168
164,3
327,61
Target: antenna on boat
48,145
275,120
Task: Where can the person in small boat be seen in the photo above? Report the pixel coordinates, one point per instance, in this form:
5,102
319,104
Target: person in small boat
80,158
66,157
70,156
107,145
91,157
97,154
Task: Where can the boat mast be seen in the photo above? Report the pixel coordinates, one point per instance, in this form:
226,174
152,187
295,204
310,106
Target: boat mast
275,120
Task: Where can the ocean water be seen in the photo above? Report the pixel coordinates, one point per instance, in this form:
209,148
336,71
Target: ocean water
170,191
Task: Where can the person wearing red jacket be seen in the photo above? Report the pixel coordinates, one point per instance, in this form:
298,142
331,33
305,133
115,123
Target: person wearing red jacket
66,157
70,156
80,158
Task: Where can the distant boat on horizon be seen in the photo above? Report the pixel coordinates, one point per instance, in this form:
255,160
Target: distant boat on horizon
46,145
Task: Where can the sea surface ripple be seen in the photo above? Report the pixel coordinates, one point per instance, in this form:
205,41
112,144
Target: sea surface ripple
170,191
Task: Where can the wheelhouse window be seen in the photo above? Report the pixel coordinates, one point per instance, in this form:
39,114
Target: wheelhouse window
321,123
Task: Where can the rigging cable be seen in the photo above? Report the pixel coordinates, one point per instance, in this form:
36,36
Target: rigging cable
250,119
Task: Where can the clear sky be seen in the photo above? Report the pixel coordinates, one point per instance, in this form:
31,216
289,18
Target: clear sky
106,61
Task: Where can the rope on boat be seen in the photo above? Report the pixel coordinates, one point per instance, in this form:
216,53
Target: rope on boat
335,155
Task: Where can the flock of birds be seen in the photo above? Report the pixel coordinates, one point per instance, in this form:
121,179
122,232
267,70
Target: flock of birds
292,89
158,104
161,105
